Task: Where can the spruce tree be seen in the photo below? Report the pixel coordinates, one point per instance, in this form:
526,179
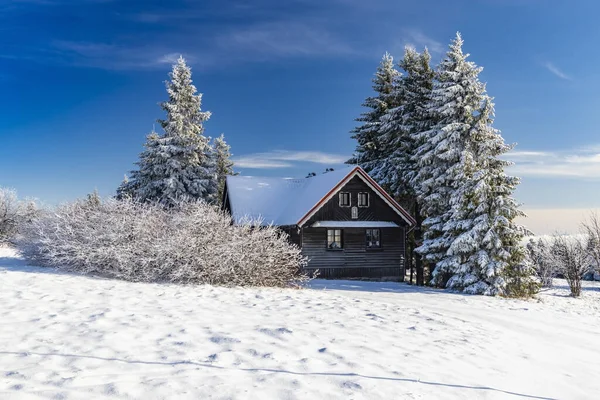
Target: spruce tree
485,251
178,164
471,236
401,126
369,151
223,163
456,94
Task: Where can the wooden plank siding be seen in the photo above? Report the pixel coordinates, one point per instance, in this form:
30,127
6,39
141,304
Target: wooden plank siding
355,260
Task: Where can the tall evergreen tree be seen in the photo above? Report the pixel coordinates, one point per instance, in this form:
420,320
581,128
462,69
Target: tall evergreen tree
178,164
223,163
369,149
401,126
471,236
455,96
485,253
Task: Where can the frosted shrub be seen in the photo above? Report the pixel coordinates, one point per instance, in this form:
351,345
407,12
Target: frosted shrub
573,259
13,213
591,229
192,243
540,257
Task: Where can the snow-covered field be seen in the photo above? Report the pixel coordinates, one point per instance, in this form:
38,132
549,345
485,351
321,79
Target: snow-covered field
65,336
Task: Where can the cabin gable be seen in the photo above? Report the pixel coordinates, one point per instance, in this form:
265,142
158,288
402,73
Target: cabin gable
377,209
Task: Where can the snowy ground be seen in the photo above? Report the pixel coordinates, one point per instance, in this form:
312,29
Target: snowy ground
65,336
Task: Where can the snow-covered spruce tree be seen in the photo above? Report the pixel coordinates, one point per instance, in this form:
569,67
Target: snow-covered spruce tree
369,150
178,164
223,163
455,95
400,127
472,235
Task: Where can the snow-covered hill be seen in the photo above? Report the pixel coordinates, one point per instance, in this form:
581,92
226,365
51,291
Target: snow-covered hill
67,336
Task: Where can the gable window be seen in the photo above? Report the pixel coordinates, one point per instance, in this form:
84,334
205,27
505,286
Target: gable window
344,199
334,239
373,238
363,199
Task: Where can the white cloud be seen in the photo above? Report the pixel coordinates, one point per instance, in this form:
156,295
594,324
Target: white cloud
113,56
287,159
556,71
583,163
284,39
417,39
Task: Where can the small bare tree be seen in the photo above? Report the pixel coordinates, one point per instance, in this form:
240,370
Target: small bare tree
570,253
591,228
539,254
13,212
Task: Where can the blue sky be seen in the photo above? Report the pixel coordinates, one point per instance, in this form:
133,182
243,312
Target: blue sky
81,80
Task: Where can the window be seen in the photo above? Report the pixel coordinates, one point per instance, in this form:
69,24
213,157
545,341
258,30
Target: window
373,238
334,239
344,199
363,199
354,212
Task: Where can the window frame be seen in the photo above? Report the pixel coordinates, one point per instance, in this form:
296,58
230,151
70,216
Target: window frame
349,199
367,236
368,199
339,236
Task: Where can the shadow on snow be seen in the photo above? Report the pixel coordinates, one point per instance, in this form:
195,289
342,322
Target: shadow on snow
279,371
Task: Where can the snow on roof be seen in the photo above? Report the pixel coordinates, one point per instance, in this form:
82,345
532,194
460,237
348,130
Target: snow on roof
279,201
354,224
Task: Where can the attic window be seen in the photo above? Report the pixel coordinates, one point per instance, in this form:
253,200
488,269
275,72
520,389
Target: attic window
363,199
344,199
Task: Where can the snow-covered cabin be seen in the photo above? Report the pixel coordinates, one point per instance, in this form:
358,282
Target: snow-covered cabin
346,224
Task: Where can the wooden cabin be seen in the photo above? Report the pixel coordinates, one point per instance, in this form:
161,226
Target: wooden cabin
344,222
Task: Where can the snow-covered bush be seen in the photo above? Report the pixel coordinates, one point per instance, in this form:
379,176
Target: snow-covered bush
572,257
539,255
13,213
191,243
591,228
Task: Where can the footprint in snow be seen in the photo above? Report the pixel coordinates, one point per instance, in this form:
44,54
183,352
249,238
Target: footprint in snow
351,385
223,339
275,332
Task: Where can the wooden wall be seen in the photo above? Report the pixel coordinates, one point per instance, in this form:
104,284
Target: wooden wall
355,260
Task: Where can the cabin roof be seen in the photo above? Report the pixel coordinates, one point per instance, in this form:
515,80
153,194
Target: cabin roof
290,201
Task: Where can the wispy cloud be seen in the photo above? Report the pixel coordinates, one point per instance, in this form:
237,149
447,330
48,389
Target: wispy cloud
229,32
417,39
578,163
112,56
287,159
284,39
556,71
